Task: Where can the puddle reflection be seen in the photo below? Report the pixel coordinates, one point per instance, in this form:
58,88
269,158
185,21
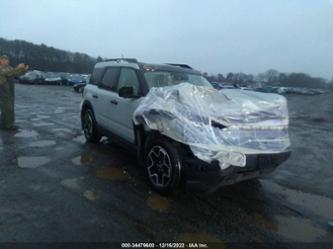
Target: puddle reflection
83,160
32,162
41,124
26,134
72,183
42,143
92,195
80,139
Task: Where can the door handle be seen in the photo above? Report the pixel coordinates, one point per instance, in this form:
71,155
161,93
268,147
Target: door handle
95,96
114,102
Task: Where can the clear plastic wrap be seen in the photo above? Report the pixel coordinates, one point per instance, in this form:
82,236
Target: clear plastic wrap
223,125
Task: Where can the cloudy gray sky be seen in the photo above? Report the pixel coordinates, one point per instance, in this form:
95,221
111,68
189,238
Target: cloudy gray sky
212,35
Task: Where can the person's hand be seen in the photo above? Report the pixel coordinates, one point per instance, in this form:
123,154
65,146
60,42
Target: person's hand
21,66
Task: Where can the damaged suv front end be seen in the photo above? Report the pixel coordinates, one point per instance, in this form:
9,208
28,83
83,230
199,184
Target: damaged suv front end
230,135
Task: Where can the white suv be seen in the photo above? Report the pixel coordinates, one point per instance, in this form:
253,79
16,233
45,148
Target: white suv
110,99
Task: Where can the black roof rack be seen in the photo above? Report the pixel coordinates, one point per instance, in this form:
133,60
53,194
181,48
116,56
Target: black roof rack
179,65
131,60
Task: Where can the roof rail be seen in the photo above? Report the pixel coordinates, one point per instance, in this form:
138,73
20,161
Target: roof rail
131,60
179,65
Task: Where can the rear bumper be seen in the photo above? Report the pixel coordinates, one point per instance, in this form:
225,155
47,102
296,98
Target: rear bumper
209,176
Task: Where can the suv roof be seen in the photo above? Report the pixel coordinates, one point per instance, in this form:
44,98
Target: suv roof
134,63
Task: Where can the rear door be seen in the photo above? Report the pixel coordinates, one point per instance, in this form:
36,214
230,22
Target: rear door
123,120
106,108
91,92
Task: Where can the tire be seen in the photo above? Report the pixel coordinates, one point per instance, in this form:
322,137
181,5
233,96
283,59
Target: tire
89,126
163,165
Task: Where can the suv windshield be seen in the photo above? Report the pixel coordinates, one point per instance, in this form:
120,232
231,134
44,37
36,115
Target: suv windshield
169,78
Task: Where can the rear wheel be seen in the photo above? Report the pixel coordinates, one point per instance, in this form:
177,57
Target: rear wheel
163,164
89,126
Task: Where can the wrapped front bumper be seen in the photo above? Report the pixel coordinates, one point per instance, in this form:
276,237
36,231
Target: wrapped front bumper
222,126
209,176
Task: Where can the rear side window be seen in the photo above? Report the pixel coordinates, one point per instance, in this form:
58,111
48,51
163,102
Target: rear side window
96,76
110,78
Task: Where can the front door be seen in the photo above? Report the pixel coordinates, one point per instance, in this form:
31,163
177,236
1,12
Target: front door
123,121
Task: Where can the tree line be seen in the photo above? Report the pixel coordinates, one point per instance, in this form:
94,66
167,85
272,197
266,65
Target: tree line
44,58
274,78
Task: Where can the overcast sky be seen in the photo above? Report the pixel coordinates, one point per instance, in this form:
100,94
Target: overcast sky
211,35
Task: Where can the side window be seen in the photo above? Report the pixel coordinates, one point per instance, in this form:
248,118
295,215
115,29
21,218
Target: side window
110,78
96,76
128,77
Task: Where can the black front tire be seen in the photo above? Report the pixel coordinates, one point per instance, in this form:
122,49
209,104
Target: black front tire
163,164
89,126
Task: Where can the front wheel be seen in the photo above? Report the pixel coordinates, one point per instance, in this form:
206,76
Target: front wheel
89,126
163,165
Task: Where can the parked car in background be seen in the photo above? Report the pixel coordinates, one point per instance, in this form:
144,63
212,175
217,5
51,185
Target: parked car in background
79,87
220,85
54,79
64,78
32,77
74,79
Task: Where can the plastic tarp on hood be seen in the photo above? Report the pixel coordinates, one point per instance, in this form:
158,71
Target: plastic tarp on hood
223,125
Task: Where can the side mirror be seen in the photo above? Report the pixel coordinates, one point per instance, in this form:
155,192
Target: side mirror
127,92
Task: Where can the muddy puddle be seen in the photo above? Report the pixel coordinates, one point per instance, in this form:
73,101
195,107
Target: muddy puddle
77,160
32,162
84,159
92,195
112,174
26,134
158,203
73,183
42,143
299,229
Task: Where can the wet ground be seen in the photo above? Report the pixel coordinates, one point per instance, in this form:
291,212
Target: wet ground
54,187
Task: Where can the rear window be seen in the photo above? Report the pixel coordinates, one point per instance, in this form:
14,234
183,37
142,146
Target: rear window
96,76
